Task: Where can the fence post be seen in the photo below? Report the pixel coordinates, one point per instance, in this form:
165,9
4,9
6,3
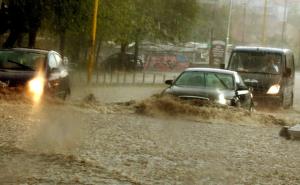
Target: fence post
111,77
164,78
143,78
154,78
104,78
97,76
133,78
124,77
118,77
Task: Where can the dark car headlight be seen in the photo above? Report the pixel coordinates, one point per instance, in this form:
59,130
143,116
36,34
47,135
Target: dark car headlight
222,100
36,87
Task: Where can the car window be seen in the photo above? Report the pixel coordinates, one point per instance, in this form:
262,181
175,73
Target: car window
191,78
21,60
219,81
290,63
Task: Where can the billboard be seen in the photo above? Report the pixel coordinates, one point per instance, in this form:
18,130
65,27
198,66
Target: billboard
166,62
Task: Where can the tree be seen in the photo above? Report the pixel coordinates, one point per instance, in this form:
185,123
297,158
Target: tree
64,16
23,16
130,21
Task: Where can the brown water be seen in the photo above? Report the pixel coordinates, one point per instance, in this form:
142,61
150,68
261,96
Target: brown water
151,140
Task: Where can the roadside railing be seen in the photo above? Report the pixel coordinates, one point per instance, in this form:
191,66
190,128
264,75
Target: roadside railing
124,78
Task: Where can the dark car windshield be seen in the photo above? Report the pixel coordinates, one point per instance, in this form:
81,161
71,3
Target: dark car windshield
211,80
256,62
21,60
220,81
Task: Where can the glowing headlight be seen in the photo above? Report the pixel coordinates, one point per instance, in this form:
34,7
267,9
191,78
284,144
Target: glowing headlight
274,89
223,101
36,88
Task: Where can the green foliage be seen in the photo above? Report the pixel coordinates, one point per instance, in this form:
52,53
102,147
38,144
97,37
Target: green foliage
127,21
167,20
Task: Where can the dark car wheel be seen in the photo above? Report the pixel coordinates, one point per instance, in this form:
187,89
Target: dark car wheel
64,90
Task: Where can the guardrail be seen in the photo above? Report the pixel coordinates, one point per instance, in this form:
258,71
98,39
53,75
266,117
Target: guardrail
124,78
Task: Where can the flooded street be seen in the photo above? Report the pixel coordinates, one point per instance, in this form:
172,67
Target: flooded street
104,143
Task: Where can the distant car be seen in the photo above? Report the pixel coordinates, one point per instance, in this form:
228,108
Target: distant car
269,71
216,85
113,63
38,71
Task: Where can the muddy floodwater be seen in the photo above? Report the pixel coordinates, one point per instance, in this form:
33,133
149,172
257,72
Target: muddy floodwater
104,141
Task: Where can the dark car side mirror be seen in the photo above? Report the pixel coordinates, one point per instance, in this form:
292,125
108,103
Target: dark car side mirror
65,61
169,82
54,70
242,87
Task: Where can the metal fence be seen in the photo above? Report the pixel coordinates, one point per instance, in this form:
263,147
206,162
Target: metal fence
124,78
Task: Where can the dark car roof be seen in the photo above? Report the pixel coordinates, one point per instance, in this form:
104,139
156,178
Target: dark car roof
214,70
262,49
27,50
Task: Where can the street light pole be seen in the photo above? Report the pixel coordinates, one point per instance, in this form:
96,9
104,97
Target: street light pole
264,23
211,34
228,32
91,60
284,22
244,20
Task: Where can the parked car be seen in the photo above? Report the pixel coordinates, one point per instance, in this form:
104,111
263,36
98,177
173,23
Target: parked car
38,71
216,85
269,71
113,63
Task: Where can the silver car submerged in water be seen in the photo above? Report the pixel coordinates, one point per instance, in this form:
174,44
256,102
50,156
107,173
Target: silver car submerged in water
217,85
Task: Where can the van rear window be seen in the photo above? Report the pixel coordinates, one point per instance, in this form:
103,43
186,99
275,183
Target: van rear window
256,62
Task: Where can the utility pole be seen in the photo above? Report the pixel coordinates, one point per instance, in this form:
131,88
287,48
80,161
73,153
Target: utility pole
284,22
91,57
228,33
244,20
211,33
263,40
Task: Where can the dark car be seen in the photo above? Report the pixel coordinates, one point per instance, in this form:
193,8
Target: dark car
269,71
217,85
38,71
114,63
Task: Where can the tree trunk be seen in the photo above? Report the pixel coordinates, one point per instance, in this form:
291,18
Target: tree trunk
32,37
12,38
98,51
136,52
62,39
123,55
